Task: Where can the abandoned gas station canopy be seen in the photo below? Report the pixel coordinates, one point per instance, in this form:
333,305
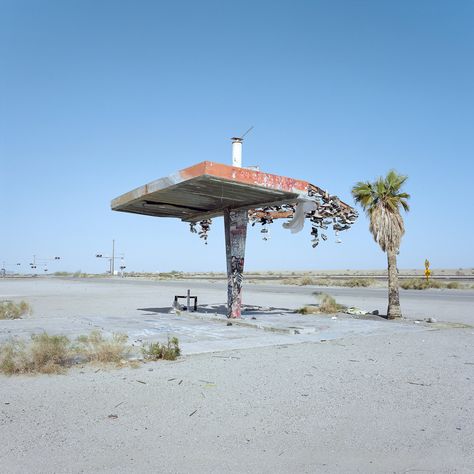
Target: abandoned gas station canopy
206,190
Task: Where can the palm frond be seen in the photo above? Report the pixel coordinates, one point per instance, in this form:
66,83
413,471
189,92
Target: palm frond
382,200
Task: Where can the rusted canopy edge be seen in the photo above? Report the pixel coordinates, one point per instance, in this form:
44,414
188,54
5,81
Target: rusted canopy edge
238,176
204,190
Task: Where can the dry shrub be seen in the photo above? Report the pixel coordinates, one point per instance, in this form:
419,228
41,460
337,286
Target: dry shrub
172,275
289,281
326,281
10,310
329,305
306,281
420,284
95,348
14,358
50,354
358,282
303,281
156,350
46,355
454,285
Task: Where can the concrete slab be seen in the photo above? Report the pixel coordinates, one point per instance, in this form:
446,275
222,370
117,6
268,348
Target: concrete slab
143,312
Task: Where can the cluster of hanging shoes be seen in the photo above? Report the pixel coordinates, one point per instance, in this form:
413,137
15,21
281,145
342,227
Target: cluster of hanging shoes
204,228
329,212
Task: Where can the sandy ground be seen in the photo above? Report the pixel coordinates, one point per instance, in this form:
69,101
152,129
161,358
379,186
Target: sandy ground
348,396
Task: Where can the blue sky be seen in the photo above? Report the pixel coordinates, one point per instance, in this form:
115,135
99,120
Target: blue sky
99,97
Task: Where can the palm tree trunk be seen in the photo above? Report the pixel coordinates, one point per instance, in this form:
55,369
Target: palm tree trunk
393,310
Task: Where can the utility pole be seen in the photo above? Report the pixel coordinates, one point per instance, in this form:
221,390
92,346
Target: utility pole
42,261
112,261
111,258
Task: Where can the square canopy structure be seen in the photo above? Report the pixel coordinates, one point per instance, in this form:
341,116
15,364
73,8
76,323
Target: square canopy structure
207,189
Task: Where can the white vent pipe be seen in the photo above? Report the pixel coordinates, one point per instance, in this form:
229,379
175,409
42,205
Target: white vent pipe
237,152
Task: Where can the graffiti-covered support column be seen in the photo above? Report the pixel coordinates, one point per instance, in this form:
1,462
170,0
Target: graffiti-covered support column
235,227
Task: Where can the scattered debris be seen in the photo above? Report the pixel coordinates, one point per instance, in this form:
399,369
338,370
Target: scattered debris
141,381
356,311
113,417
421,384
191,414
225,357
118,404
431,320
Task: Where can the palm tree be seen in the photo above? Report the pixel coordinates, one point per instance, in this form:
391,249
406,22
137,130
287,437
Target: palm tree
382,202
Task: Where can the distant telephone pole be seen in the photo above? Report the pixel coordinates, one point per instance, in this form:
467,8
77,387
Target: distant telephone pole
112,258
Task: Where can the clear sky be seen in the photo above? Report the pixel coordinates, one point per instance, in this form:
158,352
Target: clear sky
99,97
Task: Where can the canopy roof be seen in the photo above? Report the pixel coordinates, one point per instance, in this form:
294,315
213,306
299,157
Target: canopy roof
204,190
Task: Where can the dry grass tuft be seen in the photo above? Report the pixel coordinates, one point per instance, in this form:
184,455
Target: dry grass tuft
306,281
327,305
46,355
95,348
168,351
50,354
420,284
303,281
358,282
10,310
14,358
327,281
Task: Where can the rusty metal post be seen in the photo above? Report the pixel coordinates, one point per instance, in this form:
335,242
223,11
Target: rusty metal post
235,227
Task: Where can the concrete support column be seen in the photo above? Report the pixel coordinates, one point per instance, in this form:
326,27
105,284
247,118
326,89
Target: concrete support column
235,228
